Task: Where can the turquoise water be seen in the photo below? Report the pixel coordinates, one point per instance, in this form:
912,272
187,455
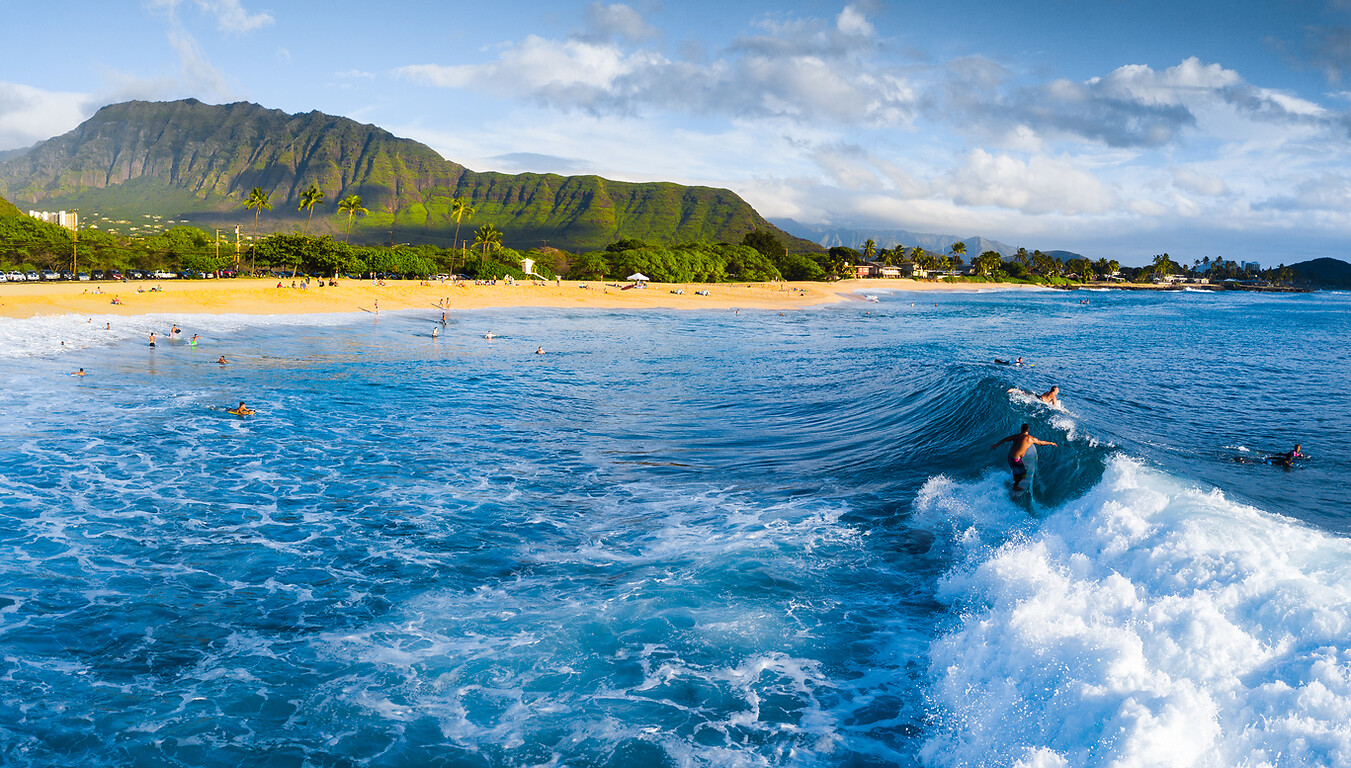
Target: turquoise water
681,539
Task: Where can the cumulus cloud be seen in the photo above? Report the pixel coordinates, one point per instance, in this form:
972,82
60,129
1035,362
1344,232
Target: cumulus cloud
1134,106
29,115
808,70
1037,185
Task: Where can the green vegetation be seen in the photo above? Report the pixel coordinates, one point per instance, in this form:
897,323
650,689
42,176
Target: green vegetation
199,163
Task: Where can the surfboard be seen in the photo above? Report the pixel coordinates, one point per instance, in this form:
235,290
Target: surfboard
1030,461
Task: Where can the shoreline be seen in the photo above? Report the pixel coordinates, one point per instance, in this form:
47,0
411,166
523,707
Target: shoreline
261,296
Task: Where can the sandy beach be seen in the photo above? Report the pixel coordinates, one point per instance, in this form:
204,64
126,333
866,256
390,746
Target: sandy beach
263,297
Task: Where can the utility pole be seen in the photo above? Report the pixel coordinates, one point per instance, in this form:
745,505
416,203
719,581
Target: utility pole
75,246
217,245
236,248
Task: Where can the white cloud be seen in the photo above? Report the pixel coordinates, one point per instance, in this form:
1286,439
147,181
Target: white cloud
230,15
804,70
851,21
1038,185
605,22
29,115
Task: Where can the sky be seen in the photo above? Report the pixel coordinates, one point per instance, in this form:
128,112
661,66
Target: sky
1117,129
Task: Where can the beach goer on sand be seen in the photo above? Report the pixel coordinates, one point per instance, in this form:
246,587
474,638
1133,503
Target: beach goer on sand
1050,396
152,338
377,306
79,373
242,410
222,360
1020,443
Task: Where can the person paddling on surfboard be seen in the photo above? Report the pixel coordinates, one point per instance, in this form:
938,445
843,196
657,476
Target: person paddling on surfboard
1021,442
242,410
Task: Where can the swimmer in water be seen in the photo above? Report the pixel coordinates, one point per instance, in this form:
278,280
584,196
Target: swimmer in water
435,330
539,351
79,373
1050,396
152,338
242,410
222,360
174,331
1020,443
193,342
1286,459
489,335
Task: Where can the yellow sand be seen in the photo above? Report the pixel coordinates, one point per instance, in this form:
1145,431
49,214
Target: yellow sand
263,297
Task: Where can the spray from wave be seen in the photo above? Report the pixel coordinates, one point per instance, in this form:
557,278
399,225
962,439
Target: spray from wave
1146,623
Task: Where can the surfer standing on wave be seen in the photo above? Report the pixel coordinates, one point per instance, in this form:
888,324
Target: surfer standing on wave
1020,443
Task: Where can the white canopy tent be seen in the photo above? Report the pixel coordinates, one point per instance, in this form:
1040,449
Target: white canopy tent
639,277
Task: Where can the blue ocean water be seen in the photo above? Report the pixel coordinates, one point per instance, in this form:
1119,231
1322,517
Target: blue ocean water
681,538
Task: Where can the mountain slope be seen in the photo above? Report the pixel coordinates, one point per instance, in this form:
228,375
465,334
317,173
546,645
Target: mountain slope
191,161
1323,273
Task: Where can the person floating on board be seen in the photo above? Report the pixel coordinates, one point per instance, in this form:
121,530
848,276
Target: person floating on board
1050,397
1021,444
242,410
222,360
1287,459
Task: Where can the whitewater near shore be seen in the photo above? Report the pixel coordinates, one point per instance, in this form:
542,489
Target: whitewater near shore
264,297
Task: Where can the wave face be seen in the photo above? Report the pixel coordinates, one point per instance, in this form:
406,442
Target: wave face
680,539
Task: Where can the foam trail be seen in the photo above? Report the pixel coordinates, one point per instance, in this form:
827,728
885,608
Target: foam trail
1148,623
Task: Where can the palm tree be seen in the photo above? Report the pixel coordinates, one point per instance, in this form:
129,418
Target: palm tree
308,199
869,249
489,237
351,205
257,202
459,208
958,249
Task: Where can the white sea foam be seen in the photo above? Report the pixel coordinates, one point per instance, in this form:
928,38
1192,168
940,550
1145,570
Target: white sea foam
41,336
1148,623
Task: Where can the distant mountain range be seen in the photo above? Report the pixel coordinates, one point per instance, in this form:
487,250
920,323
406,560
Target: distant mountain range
194,162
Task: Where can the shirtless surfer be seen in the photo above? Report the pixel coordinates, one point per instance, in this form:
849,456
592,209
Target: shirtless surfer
242,410
1020,443
1050,396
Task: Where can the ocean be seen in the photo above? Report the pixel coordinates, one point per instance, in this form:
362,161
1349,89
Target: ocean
682,538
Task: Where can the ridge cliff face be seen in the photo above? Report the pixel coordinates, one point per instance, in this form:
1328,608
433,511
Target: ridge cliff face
186,160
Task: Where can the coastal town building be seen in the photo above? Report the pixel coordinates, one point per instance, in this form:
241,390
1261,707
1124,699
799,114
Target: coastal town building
68,219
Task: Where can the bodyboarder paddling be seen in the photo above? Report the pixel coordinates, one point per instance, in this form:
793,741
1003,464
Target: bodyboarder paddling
1021,444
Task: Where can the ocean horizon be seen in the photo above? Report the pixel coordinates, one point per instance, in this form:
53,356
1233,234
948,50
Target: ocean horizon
682,537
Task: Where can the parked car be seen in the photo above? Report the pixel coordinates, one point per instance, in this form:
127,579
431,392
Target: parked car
97,274
83,276
47,274
161,274
4,278
114,274
191,274
136,274
14,276
228,273
32,276
67,275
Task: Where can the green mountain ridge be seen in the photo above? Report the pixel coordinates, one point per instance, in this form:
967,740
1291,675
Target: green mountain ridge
194,162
